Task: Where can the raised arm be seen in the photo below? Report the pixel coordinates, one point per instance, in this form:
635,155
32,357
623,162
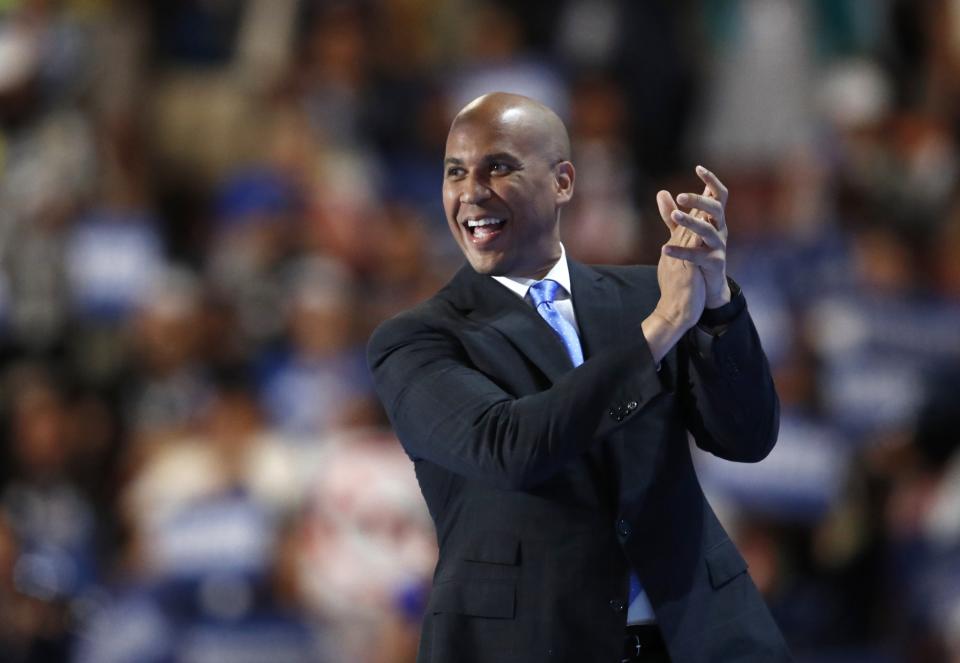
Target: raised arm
730,403
446,411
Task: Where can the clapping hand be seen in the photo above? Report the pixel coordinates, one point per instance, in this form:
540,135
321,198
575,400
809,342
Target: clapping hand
692,271
698,239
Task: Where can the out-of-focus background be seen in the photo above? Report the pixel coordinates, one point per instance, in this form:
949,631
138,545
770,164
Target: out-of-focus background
207,205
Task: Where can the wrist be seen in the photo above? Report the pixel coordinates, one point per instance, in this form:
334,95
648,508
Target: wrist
662,332
720,298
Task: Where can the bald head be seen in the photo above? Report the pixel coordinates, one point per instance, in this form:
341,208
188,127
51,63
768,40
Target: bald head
507,174
520,116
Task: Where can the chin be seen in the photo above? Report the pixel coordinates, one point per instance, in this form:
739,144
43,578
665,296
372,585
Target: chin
488,266
484,268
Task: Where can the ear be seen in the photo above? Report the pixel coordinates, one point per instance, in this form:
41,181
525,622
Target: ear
565,176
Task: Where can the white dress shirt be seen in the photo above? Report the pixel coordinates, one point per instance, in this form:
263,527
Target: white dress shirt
560,273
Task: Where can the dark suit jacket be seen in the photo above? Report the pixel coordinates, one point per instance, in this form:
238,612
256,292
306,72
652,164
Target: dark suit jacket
547,483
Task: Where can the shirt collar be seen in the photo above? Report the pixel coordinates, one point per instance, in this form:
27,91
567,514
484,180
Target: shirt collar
560,272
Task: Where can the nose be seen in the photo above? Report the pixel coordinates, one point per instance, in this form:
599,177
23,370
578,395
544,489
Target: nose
474,190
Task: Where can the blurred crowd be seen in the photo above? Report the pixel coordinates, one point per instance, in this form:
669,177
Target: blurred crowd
207,205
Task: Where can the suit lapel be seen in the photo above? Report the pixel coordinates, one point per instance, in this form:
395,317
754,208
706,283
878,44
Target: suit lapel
597,304
501,312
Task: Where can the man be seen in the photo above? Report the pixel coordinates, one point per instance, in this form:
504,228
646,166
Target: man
547,420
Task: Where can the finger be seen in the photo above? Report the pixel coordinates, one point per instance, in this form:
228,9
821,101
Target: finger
666,205
683,237
706,204
697,256
713,183
701,227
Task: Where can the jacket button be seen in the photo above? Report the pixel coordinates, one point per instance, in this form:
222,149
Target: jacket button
623,528
731,366
617,605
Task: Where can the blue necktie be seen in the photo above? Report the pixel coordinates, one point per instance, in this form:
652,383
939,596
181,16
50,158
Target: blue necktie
543,294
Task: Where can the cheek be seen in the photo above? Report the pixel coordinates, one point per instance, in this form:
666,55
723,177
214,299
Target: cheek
449,203
526,204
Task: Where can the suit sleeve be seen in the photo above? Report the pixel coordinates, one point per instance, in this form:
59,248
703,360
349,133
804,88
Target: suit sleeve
730,403
446,411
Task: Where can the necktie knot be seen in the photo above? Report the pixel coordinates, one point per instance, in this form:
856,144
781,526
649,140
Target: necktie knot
544,291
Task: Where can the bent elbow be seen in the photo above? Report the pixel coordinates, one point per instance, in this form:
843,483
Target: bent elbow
761,440
742,443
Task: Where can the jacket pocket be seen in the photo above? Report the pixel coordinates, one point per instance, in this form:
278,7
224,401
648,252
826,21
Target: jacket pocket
724,563
494,548
474,598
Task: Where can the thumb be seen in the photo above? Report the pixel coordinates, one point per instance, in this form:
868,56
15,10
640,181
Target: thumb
666,204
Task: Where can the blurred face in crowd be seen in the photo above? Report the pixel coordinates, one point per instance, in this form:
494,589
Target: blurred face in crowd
320,324
40,439
506,175
167,332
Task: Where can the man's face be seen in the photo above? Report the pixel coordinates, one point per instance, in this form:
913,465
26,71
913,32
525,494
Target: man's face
501,194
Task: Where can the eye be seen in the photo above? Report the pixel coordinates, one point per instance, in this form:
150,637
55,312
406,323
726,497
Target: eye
500,168
454,172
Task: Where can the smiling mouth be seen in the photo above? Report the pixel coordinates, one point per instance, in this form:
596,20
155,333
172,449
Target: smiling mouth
484,229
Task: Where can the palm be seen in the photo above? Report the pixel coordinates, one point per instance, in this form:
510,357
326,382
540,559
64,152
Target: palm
682,282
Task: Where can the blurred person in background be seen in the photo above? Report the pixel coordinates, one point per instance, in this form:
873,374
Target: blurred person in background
49,170
226,448
602,223
496,58
50,529
211,520
368,546
920,471
312,384
334,73
166,383
402,272
251,246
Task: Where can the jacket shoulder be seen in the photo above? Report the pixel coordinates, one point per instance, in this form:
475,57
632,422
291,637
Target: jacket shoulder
430,316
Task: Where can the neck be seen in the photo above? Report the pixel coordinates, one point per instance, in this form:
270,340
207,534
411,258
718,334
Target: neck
541,268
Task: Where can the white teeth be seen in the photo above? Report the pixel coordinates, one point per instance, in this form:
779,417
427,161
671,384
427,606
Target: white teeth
487,221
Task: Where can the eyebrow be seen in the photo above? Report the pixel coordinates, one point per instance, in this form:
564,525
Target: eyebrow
501,156
496,156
